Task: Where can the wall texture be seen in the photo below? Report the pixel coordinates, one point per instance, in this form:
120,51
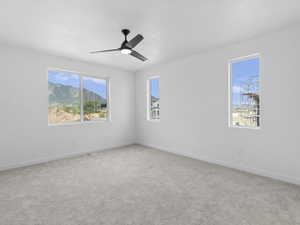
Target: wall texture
26,138
194,108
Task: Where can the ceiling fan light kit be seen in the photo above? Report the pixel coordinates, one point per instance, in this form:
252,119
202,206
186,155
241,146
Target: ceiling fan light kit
127,46
126,51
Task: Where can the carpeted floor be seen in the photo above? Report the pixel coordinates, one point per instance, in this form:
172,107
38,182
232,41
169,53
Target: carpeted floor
136,185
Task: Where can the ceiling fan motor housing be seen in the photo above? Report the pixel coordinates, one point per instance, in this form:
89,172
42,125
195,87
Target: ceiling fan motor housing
125,32
123,45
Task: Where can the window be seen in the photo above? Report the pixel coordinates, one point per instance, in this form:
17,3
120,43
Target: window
75,99
94,99
153,99
63,97
245,92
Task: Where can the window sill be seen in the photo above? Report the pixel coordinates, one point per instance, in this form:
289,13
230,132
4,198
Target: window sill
78,123
154,120
250,128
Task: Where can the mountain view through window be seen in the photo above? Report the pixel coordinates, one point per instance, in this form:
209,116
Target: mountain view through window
63,97
65,104
94,99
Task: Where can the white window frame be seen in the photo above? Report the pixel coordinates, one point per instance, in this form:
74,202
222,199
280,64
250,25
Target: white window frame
230,62
81,76
149,118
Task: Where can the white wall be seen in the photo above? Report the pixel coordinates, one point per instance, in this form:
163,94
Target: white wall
25,136
194,108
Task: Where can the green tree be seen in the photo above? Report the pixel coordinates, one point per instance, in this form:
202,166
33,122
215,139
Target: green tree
91,107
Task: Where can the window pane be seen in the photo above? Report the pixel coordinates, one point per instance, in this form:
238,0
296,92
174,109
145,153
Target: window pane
154,99
94,99
63,97
245,93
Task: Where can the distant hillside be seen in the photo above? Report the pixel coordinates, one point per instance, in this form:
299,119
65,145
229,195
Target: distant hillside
62,94
92,96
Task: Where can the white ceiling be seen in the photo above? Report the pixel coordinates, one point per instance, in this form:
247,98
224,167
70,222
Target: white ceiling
172,28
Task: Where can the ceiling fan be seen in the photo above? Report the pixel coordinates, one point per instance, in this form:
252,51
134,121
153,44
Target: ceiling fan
127,46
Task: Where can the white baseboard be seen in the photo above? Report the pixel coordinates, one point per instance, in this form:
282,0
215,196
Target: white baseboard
63,156
205,159
230,165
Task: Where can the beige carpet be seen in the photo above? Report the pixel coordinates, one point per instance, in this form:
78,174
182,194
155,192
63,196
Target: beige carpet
142,186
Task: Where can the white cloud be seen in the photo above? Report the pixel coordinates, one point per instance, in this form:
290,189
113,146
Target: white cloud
65,76
236,89
95,80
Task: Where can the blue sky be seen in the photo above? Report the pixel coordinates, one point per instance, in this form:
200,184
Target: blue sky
96,85
242,71
155,87
67,79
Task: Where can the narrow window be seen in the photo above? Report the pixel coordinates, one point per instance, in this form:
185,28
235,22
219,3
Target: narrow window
94,99
245,92
153,99
63,97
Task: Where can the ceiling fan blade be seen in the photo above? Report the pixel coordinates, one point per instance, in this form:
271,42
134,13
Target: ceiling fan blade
108,50
134,41
138,55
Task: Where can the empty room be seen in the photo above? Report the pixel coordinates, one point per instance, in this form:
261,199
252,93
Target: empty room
150,112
